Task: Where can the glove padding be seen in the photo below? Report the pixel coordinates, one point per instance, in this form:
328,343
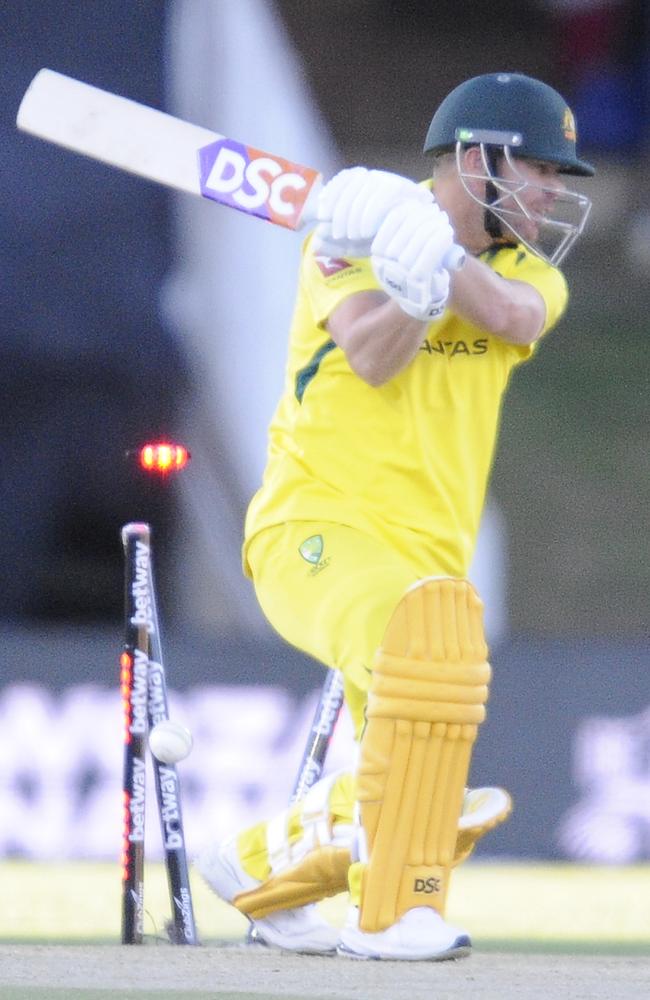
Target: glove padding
353,205
408,257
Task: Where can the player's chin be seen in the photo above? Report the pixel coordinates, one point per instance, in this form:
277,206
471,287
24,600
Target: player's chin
527,230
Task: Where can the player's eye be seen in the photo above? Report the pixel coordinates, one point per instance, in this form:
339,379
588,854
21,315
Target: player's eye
546,169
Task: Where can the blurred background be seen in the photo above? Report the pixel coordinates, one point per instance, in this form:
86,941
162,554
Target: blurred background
131,313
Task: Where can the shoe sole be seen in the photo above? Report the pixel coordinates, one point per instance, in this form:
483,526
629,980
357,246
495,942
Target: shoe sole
461,947
259,942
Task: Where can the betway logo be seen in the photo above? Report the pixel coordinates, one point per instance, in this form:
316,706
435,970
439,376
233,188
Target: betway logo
136,803
157,693
327,720
170,814
140,588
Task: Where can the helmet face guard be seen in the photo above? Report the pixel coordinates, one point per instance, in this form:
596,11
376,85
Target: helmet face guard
556,232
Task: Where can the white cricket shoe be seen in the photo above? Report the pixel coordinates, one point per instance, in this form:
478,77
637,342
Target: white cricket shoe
419,935
301,929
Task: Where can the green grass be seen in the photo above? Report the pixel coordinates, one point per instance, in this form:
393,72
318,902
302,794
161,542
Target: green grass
557,908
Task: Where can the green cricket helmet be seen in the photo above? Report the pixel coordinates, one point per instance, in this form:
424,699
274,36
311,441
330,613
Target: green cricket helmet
514,116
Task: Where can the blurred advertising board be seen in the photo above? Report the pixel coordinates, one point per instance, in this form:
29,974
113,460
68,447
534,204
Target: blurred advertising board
568,734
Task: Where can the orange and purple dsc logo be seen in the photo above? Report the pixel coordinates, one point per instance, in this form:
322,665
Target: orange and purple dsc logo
255,182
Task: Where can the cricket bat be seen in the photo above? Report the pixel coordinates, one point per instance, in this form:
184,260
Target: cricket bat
159,147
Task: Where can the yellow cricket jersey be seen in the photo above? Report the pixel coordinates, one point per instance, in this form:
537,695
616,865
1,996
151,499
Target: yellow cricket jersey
408,461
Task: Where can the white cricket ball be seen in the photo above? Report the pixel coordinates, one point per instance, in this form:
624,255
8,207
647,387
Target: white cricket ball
170,742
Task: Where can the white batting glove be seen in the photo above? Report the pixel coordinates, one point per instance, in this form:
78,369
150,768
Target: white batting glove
408,257
352,206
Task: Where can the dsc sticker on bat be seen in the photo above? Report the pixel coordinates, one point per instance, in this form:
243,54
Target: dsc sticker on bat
250,180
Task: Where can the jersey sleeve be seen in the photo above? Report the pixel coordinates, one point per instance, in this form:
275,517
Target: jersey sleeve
518,264
327,281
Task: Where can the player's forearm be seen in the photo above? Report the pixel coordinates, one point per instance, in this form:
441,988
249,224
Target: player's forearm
378,343
511,310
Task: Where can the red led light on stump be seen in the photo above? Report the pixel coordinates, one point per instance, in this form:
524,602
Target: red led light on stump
163,457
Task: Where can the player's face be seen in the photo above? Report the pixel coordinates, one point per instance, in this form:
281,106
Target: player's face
528,197
538,187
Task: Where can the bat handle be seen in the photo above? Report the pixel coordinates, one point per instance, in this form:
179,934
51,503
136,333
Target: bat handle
454,258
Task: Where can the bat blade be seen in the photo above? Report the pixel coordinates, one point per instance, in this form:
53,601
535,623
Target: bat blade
159,147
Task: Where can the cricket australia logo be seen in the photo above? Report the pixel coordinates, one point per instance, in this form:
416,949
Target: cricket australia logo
311,551
569,125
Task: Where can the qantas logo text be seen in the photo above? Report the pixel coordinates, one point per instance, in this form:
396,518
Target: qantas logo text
453,348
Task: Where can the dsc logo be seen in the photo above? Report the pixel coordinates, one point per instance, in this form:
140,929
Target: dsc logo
254,182
426,885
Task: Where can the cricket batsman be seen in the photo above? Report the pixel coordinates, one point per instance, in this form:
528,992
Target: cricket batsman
360,538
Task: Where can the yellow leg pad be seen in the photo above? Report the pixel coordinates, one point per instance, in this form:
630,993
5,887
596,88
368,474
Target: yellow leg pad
426,700
322,873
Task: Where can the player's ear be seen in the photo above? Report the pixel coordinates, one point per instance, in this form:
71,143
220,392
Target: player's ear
472,160
473,171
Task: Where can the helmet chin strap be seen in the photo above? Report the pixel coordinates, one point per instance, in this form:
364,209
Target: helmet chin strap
492,225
